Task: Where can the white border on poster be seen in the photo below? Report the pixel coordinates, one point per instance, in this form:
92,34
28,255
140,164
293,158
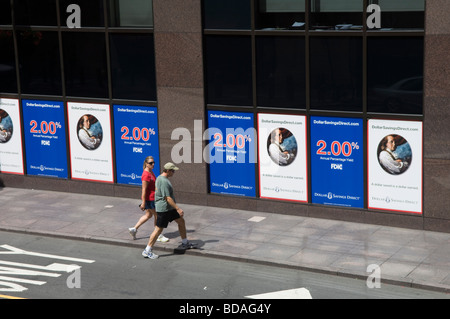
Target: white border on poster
91,165
11,152
284,182
403,191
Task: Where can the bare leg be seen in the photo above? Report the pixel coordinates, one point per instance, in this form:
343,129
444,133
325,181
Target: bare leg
183,234
181,227
148,214
147,253
154,215
154,236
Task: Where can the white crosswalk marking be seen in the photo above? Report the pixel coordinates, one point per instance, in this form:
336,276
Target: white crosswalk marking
10,283
13,250
300,293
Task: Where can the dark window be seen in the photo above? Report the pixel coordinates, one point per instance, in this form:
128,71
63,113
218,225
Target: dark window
5,12
280,70
336,73
400,14
131,13
32,12
227,14
8,81
229,70
395,75
40,69
85,64
133,67
280,15
336,14
92,14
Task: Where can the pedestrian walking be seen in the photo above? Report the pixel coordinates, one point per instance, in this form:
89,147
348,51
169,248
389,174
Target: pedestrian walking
148,198
167,211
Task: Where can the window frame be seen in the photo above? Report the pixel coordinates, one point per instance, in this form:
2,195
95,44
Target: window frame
365,33
61,28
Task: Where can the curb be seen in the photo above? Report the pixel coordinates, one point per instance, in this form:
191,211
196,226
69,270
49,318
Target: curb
236,258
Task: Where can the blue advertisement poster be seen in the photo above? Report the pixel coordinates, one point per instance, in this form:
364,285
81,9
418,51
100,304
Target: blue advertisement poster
337,161
45,138
231,155
136,137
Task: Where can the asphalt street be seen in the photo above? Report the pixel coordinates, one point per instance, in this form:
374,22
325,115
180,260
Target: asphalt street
405,257
55,268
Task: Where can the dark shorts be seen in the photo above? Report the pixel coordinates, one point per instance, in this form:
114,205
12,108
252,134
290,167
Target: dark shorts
149,204
164,218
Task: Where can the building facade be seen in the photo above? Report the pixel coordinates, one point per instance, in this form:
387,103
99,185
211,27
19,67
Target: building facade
323,108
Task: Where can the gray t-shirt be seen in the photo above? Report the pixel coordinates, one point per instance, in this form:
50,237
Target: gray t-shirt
163,189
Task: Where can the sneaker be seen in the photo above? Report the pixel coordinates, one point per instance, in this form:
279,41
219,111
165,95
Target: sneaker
133,232
162,239
189,245
149,254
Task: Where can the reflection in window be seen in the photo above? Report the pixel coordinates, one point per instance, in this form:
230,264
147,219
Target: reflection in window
395,75
40,69
133,70
400,14
228,70
85,64
32,12
227,14
5,12
131,13
336,15
336,73
92,14
8,82
280,70
281,15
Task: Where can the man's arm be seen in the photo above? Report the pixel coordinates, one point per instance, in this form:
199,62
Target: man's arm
172,203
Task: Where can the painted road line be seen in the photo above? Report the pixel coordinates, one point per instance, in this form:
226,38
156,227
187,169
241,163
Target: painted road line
9,297
301,293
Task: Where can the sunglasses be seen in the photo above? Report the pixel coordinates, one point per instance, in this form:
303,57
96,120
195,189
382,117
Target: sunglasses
150,163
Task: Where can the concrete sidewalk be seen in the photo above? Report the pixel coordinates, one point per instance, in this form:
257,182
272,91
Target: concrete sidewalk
407,257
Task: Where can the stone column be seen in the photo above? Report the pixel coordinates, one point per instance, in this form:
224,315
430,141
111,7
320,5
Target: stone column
437,116
180,89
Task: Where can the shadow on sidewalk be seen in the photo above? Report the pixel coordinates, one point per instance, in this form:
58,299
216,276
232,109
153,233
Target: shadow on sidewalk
181,251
